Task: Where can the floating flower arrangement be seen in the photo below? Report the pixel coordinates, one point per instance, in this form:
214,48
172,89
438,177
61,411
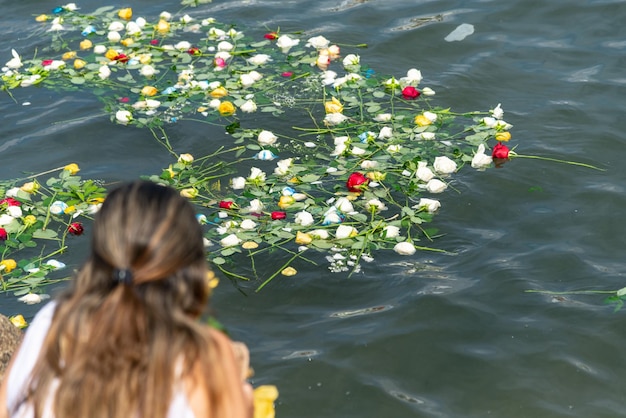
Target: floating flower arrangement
357,173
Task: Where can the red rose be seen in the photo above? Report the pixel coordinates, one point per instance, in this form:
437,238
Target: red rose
278,215
227,204
287,74
410,93
75,228
9,201
121,58
356,182
271,36
194,51
46,62
154,42
3,234
500,151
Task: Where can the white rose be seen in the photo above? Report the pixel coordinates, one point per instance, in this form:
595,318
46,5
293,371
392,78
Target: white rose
33,298
186,19
248,107
285,43
256,76
427,135
383,117
165,15
480,159
358,151
299,196
123,116
141,22
267,138
152,104
394,148
259,59
182,46
391,231
215,103
489,121
256,206
225,46
116,26
246,80
369,164
282,166
375,204
436,186
334,118
344,205
238,183
247,224
70,6
427,91
216,33
404,248
414,76
230,240
256,174
15,62
318,42
99,49
424,173
15,211
444,165
430,116
147,71
114,36
132,28
350,61
304,218
319,234
104,72
497,113
345,231
385,133
431,205
6,219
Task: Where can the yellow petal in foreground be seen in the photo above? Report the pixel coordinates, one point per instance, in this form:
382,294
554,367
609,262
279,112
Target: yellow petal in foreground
41,18
303,238
30,187
72,168
126,13
289,271
219,92
149,91
189,193
18,321
111,54
264,397
29,220
127,42
503,136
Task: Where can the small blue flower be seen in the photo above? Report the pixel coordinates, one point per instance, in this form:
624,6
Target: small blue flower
169,90
265,155
88,30
367,136
58,10
202,219
288,191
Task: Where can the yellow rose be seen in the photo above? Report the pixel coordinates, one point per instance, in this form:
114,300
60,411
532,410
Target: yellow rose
226,108
70,209
219,92
145,58
41,18
149,91
171,172
303,238
18,321
78,64
72,168
127,41
30,187
334,106
85,44
202,109
288,271
376,175
422,120
111,54
285,201
96,200
29,220
189,193
163,27
503,136
68,55
8,265
249,245
125,14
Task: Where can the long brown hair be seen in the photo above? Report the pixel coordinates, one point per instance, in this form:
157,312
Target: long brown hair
125,332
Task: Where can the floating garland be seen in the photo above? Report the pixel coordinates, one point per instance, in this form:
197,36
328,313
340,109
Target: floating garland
358,172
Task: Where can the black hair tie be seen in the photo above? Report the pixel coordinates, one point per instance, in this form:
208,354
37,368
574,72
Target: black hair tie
123,276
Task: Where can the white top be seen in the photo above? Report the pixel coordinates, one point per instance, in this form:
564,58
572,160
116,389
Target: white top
26,358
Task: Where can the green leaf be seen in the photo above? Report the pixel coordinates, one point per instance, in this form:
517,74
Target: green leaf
45,234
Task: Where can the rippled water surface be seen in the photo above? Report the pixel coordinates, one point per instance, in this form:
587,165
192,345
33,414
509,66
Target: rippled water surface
434,335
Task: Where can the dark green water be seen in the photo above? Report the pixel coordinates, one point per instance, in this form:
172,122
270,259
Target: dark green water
432,335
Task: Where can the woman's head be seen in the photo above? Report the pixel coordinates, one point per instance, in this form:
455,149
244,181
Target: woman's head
147,237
